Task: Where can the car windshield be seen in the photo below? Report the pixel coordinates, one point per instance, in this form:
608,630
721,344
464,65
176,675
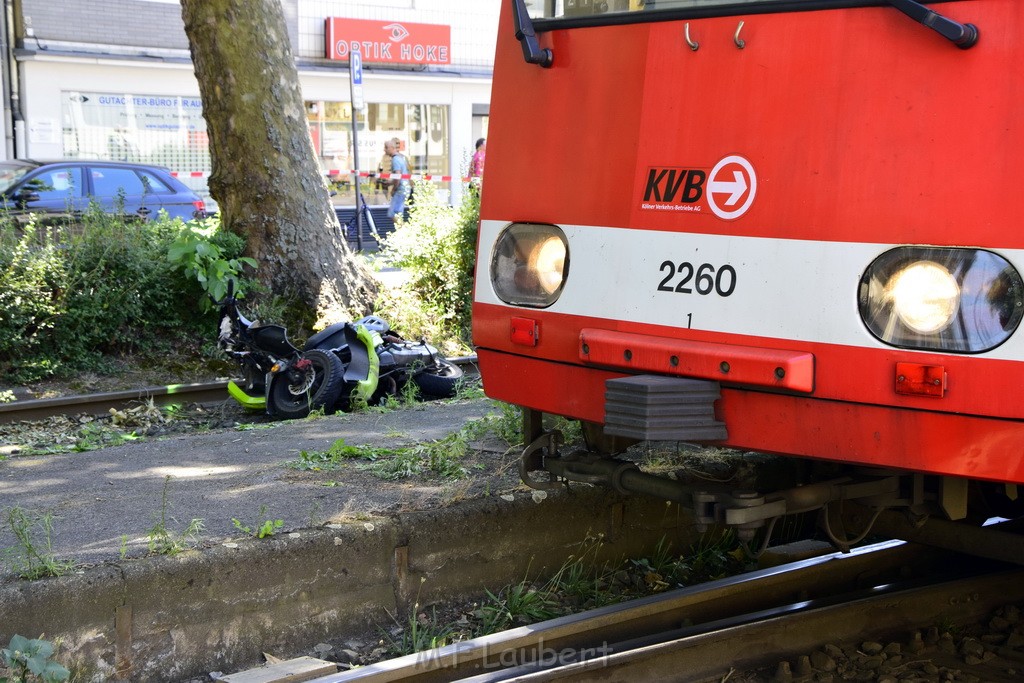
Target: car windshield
11,174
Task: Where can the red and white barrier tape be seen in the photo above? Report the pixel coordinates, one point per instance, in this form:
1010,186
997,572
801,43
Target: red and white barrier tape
396,176
362,174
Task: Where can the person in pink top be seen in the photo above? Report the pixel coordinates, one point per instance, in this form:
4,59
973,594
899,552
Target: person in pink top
476,165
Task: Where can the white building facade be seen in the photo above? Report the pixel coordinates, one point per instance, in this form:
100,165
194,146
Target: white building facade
113,79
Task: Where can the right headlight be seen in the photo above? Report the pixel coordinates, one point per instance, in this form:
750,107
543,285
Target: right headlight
529,264
941,299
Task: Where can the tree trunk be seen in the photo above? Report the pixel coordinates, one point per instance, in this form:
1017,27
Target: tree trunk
265,175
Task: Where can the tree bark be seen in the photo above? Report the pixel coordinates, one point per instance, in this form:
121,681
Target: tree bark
265,175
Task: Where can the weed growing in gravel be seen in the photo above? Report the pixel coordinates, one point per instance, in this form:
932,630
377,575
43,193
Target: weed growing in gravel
715,555
420,632
162,540
263,529
441,458
313,460
581,583
339,451
95,435
28,660
403,465
317,413
515,605
468,390
33,558
507,425
252,426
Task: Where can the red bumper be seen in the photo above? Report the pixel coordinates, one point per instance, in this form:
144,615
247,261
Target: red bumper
939,443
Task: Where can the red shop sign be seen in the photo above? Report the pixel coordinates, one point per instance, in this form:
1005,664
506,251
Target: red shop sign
390,42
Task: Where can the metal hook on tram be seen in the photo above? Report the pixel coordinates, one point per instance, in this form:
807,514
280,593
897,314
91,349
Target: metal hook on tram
736,38
692,43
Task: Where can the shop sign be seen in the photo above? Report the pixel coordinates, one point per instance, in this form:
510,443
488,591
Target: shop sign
387,42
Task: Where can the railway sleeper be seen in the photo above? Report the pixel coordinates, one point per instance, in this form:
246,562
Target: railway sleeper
945,512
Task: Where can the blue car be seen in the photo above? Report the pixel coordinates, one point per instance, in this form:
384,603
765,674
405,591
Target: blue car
54,189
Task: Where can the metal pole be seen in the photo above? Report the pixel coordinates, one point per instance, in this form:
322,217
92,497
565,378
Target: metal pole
359,195
355,63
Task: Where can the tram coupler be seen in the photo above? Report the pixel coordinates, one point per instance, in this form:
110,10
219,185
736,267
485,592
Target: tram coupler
748,511
621,476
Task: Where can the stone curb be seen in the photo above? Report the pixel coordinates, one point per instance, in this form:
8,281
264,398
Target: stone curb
174,618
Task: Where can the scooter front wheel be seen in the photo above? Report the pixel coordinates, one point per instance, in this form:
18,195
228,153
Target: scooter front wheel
440,380
317,385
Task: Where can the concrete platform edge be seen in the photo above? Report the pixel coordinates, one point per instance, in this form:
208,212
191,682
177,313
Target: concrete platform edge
175,618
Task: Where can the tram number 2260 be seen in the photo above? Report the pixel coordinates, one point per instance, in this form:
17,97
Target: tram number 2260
685,278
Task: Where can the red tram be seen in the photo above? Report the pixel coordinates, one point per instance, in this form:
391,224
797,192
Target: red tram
802,210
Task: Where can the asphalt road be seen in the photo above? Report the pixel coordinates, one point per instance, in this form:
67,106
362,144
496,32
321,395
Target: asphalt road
105,504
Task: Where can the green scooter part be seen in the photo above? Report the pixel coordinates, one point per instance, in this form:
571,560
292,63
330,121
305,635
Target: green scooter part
248,402
365,387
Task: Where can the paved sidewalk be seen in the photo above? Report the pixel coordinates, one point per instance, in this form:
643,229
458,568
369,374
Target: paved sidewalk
106,502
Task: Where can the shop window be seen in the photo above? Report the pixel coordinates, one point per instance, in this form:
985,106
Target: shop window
422,130
150,129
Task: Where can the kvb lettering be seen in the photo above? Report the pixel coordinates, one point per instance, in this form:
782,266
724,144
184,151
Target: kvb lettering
664,184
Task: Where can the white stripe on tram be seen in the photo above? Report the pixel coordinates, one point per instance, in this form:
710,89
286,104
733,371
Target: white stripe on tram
781,288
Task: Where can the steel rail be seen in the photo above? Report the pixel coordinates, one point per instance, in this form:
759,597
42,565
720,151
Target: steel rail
770,638
96,404
489,657
100,403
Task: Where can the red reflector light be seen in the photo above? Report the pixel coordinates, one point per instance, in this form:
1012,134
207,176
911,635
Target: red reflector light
524,331
200,207
914,379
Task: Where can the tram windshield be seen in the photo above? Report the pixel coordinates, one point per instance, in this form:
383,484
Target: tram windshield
596,9
552,14
558,9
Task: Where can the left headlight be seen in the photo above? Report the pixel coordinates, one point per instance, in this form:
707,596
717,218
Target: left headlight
529,264
942,299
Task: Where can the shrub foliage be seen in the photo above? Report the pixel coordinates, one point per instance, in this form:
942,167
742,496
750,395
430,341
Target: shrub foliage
71,296
436,247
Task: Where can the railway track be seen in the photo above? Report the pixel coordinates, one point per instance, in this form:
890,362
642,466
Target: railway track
100,403
745,623
95,404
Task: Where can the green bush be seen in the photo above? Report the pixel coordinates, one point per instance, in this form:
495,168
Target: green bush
32,277
209,256
71,297
437,249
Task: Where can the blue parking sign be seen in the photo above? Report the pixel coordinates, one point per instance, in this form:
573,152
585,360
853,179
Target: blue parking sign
357,67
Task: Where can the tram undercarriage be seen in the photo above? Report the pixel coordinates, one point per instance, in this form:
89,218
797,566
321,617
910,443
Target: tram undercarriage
852,502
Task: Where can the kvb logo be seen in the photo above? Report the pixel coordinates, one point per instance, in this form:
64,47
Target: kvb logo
728,189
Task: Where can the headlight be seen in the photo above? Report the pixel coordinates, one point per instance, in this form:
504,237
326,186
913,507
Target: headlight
958,300
529,264
925,296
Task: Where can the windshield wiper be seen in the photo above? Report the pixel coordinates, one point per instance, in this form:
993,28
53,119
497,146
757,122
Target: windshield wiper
961,35
532,52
